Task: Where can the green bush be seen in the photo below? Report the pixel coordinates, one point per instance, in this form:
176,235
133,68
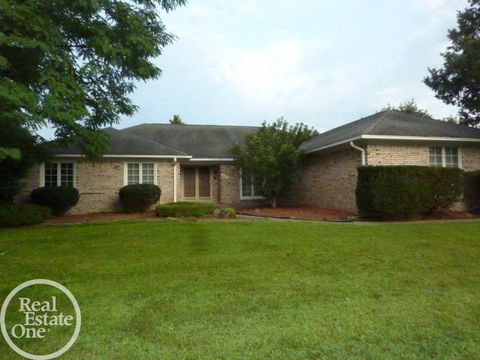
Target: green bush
184,209
472,190
400,192
58,198
139,197
227,213
9,187
16,215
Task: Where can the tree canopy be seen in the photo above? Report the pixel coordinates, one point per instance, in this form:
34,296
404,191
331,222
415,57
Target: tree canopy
176,120
272,154
458,81
410,107
71,64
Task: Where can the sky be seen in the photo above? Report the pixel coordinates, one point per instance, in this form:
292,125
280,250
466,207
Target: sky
320,62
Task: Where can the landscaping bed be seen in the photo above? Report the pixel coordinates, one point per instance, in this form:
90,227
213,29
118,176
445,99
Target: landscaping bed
301,213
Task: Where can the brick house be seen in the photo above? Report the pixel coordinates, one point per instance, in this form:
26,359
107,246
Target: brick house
191,162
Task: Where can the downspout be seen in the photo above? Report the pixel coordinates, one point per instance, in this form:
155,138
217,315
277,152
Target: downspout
361,150
174,179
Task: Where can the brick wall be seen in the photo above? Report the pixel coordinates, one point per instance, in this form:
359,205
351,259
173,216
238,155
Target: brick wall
100,182
327,180
397,155
229,188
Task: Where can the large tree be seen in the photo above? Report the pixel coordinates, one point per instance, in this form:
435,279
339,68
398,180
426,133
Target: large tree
272,154
72,64
458,81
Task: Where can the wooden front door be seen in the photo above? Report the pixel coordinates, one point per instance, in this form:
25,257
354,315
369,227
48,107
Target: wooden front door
196,183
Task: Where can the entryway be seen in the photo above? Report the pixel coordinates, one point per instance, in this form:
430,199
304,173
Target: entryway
197,183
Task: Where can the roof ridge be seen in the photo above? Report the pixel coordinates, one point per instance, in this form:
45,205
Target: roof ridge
375,123
188,125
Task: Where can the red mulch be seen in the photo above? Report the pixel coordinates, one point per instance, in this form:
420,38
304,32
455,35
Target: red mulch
303,213
86,218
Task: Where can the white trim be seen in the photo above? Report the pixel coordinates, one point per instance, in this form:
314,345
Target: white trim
394,137
42,175
362,150
131,156
175,176
253,189
419,138
212,159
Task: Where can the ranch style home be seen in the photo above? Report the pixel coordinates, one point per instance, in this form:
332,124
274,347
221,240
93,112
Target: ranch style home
192,163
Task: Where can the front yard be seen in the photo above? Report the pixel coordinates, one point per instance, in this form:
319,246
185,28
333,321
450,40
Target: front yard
263,289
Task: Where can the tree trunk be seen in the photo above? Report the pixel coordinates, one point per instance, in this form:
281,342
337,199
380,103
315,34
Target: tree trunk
274,202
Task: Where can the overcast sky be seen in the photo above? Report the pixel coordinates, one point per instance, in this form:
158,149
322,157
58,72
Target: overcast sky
321,62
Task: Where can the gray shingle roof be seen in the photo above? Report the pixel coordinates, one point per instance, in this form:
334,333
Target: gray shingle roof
124,143
200,141
391,123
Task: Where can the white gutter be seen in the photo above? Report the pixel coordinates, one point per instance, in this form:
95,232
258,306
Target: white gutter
175,179
361,150
131,156
394,137
212,159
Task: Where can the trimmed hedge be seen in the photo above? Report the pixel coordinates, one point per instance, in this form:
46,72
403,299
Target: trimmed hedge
227,213
184,209
139,197
400,192
58,198
472,190
28,214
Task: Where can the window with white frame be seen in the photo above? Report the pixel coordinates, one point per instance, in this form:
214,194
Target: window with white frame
59,174
248,190
444,157
140,173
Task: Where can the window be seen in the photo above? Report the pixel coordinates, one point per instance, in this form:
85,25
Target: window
444,157
248,190
59,174
140,173
451,157
436,156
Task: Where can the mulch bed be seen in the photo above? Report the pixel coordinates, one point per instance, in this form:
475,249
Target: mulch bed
300,213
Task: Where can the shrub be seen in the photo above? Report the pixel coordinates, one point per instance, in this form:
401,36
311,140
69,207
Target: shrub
472,190
399,192
227,213
58,198
139,197
16,215
9,187
183,209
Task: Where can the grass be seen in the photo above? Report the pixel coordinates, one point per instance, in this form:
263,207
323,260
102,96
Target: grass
265,289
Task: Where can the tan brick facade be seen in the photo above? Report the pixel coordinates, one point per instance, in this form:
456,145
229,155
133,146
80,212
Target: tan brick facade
100,182
327,179
397,155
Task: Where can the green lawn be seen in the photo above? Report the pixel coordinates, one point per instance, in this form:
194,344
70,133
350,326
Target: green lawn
257,290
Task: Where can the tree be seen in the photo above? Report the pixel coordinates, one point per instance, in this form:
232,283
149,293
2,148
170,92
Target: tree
176,120
12,169
410,107
72,64
273,156
458,81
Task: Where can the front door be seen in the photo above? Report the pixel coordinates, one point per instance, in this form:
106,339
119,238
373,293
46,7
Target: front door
196,183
